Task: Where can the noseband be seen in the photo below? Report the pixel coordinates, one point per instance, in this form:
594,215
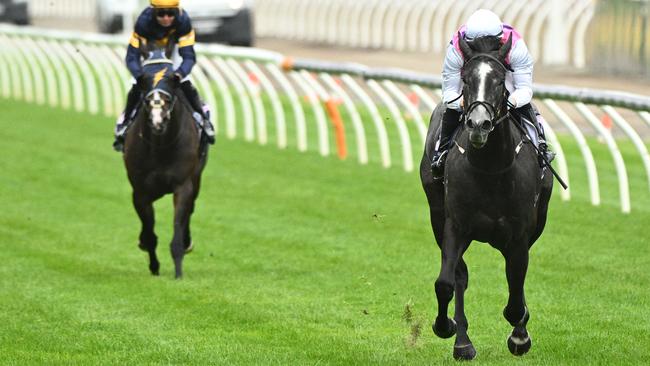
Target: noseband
491,110
171,97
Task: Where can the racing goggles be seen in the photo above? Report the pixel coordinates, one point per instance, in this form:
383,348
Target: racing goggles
160,13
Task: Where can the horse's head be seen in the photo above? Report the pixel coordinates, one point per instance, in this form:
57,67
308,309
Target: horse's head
484,91
159,86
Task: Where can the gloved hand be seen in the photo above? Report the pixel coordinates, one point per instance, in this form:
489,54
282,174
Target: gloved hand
178,77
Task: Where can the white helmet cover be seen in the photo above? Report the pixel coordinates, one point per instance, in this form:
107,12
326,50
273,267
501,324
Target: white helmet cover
482,23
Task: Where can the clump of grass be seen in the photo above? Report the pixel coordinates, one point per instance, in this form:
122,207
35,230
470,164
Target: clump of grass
407,316
414,334
415,325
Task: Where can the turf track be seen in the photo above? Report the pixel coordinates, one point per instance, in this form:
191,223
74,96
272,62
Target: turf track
299,260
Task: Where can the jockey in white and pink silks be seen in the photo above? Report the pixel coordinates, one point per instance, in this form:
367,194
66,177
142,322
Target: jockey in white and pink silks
519,81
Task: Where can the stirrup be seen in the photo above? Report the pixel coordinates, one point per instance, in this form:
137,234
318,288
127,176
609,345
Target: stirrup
206,125
118,144
120,130
209,131
438,164
549,156
544,151
121,126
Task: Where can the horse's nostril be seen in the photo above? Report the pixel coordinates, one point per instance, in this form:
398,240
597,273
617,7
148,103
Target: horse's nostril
486,125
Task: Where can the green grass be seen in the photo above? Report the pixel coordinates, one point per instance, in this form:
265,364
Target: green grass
299,260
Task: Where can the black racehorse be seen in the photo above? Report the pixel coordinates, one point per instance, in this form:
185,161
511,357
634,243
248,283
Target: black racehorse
493,191
163,154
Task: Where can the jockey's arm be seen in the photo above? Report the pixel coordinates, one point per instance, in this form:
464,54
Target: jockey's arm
186,49
133,56
521,63
451,81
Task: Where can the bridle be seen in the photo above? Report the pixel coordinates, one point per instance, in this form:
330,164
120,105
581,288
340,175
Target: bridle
492,111
160,103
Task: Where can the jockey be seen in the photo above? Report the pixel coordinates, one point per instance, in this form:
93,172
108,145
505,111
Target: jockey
519,81
163,21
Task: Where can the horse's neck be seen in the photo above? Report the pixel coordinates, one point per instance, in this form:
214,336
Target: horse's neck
499,151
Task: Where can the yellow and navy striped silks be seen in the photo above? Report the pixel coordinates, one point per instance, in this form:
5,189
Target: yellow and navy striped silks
187,40
136,40
184,41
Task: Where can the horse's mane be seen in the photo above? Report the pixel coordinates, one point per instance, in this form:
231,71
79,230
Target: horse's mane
485,44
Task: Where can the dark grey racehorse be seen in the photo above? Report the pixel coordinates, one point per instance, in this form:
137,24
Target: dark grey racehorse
493,191
162,155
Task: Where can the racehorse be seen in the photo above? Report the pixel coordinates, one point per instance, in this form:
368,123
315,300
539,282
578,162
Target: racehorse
163,154
493,191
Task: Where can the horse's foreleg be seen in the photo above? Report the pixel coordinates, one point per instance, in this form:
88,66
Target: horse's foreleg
183,206
516,312
452,249
463,348
148,239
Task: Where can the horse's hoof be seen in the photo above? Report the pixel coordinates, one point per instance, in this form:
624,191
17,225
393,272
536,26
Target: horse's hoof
444,327
464,353
519,346
189,248
155,269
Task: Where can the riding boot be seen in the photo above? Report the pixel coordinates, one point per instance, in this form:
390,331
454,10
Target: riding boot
449,124
531,114
124,120
193,97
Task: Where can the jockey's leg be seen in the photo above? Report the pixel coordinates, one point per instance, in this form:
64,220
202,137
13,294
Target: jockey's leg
124,120
449,124
195,101
530,113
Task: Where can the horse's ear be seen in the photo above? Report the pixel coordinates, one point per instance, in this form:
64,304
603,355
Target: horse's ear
169,49
144,49
464,47
175,80
143,81
505,49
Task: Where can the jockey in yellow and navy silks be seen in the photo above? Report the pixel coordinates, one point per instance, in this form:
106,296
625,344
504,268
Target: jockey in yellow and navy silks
163,22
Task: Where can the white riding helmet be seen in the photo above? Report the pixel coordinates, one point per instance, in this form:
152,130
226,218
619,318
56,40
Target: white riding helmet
483,23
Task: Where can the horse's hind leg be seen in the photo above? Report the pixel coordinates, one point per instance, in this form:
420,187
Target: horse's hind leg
183,206
189,246
187,236
148,240
452,249
463,348
516,312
